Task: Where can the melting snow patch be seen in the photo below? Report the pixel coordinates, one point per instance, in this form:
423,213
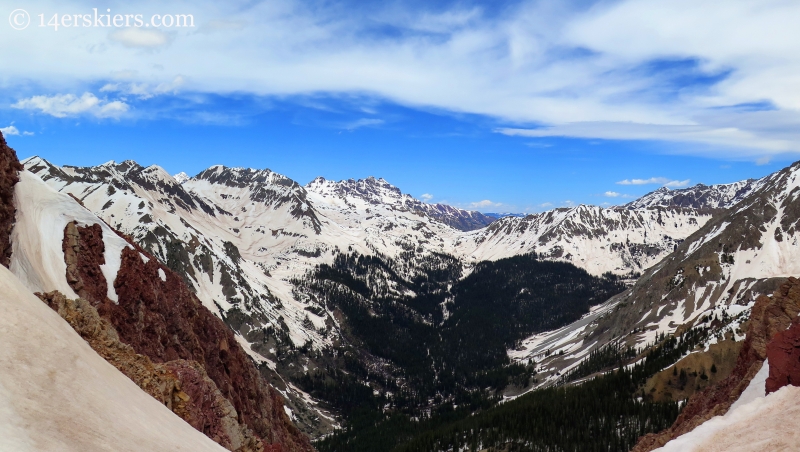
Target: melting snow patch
754,423
162,275
697,244
113,256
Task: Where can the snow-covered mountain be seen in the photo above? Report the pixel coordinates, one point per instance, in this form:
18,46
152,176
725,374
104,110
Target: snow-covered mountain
746,251
117,318
701,197
250,245
619,241
380,192
242,238
181,177
239,235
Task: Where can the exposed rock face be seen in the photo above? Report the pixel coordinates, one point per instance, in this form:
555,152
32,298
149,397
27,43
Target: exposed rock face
9,166
182,386
770,317
84,275
784,359
164,321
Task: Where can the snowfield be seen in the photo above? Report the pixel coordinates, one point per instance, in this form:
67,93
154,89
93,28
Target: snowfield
37,257
756,422
57,394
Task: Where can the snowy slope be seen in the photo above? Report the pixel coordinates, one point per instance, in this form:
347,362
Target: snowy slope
37,257
755,422
596,239
56,393
762,425
240,236
380,192
723,266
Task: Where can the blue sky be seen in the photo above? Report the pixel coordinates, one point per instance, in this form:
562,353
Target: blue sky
498,106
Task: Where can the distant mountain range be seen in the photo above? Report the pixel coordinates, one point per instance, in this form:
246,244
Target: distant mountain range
240,236
501,215
267,255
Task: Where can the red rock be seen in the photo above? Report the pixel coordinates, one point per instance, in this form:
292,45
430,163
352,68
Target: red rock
769,317
165,321
9,168
84,274
783,353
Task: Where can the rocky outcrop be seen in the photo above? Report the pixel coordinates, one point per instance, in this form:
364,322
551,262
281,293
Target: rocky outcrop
182,386
9,167
160,318
784,359
770,317
84,275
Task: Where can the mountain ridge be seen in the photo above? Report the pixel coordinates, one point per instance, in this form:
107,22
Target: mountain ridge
60,248
243,238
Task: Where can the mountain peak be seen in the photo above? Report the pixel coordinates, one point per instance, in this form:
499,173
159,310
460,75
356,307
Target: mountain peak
243,177
181,177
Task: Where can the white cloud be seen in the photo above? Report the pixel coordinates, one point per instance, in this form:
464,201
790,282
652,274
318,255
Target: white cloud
113,109
12,130
656,181
484,204
568,203
140,38
576,70
546,204
677,183
612,194
64,105
652,180
426,197
145,90
712,137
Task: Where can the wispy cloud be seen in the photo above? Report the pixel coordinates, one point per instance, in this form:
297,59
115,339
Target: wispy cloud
485,204
65,105
538,145
655,181
612,194
426,197
622,70
363,122
145,90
